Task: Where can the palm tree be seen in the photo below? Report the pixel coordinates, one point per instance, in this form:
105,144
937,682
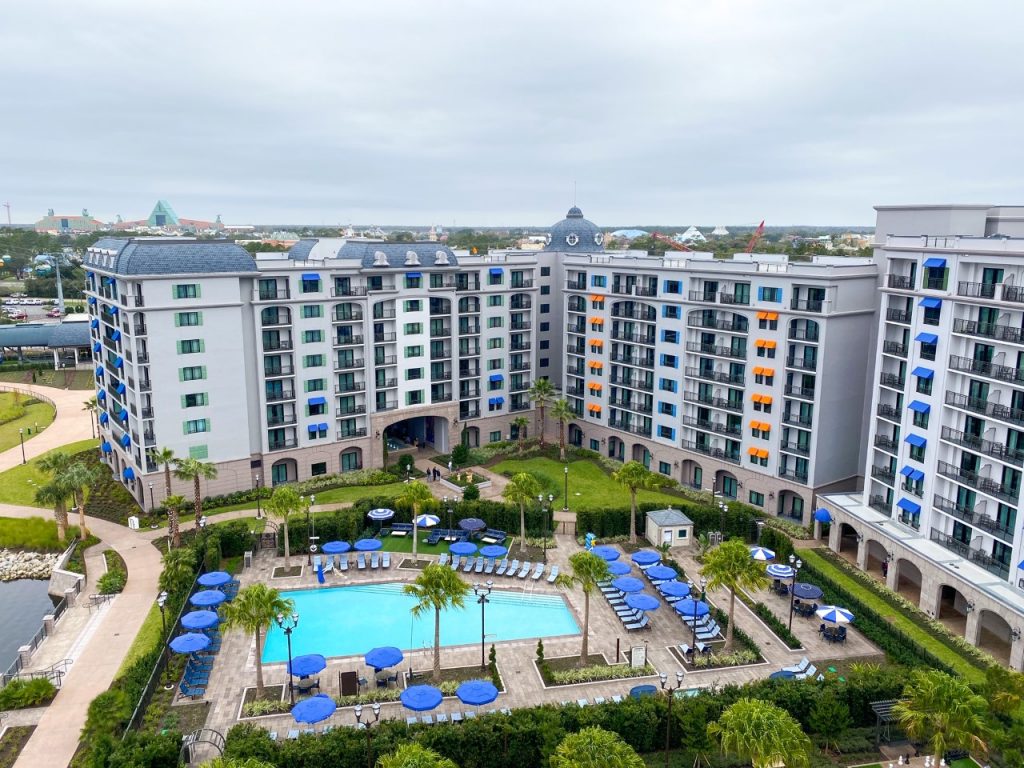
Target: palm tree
944,710
164,456
762,734
633,475
81,477
55,493
730,565
588,571
521,423
522,489
437,588
595,748
92,405
563,413
195,470
541,392
415,494
282,504
414,755
253,610
179,572
174,504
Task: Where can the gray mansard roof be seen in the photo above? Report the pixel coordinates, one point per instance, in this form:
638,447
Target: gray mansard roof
397,254
168,257
575,234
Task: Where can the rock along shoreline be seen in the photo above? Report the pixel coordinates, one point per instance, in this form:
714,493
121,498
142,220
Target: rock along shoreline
26,565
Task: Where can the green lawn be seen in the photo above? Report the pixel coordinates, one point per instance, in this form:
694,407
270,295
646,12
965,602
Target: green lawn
36,415
16,484
357,492
896,616
146,640
33,534
589,486
67,379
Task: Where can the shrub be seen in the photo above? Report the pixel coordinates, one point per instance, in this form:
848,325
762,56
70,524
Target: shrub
736,659
112,582
460,455
471,493
212,555
19,694
777,541
591,674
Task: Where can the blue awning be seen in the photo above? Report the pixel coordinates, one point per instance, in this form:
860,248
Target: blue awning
927,338
101,395
96,346
318,401
919,407
935,263
414,275
92,299
822,515
106,447
922,372
916,475
126,440
94,323
323,426
104,418
113,310
311,277
907,471
312,428
916,440
90,274
99,371
115,336
119,363
129,473
496,270
909,506
496,377
123,415
496,401
120,388
930,303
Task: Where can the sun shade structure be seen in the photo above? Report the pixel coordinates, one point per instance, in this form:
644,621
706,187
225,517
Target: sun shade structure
368,545
383,657
421,698
309,664
426,521
336,547
476,693
190,642
472,524
835,614
215,579
761,554
494,550
462,548
200,620
662,572
642,601
606,553
380,514
674,589
628,584
646,557
208,597
807,591
688,608
779,571
314,709
618,568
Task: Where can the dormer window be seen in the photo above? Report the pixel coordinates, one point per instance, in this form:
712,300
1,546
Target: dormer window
380,259
412,259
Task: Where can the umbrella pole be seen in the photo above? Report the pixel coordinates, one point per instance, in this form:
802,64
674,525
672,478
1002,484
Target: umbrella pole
415,557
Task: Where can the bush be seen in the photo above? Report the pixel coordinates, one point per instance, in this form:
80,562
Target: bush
212,554
33,534
778,542
112,582
471,493
460,455
19,694
714,661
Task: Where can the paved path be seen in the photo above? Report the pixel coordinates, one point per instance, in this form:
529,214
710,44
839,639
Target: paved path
70,424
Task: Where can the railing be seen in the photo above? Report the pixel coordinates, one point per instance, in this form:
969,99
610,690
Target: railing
712,426
344,341
270,295
275,396
807,305
350,410
281,421
993,526
575,285
578,391
891,380
445,397
715,402
897,316
520,304
805,392
912,521
440,333
894,348
520,346
802,363
803,334
982,368
441,285
147,413
724,378
348,290
578,328
792,474
381,338
900,282
459,286
524,406
802,450
708,296
389,405
797,420
886,443
387,384
382,314
641,362
990,564
950,507
635,338
879,504
356,387
441,354
974,480
953,545
349,434
276,345
935,283
719,325
647,386
346,317
715,453
469,330
888,412
713,349
282,370
346,365
884,474
980,445
1013,293
641,291
976,290
526,367
979,405
733,298
636,429
520,325
521,284
645,315
630,405
989,330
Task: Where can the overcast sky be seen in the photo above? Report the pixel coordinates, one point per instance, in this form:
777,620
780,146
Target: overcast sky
487,112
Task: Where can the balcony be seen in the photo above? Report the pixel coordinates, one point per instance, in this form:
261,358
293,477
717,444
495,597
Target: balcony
145,385
382,314
276,345
139,329
348,365
986,447
1013,293
386,384
574,390
791,447
715,453
934,283
807,393
356,386
442,376
276,396
467,286
721,377
720,428
349,410
443,353
894,348
704,296
346,341
879,504
443,284
469,330
641,362
719,325
804,334
631,405
280,445
994,527
576,285
147,413
382,338
976,290
713,349
897,316
976,481
950,507
626,426
440,333
520,346
350,434
526,367
520,325
278,370
518,304
891,380
348,290
889,412
989,370
282,420
978,405
807,305
141,357
990,564
470,350
387,405
647,386
953,545
645,315
793,474
884,474
734,298
522,386
635,338
385,359
272,294
648,292
802,363
886,444
989,331
444,397
900,282
714,402
523,283
469,413
346,317
467,394
796,419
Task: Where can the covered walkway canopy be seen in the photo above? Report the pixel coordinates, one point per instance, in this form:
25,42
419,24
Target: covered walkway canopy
68,338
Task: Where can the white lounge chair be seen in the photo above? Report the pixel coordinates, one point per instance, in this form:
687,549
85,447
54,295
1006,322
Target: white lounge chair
538,572
800,668
385,560
553,575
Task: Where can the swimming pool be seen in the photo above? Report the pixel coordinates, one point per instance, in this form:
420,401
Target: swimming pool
347,621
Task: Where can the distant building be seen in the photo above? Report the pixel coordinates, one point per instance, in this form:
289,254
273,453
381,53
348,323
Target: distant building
55,224
719,231
692,235
164,219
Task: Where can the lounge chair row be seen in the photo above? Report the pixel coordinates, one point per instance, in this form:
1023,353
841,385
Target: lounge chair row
453,717
598,700
488,565
804,670
707,628
631,618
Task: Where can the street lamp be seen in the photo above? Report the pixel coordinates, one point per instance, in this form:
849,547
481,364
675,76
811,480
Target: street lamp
703,586
21,436
671,691
152,504
565,500
288,625
313,538
796,564
367,726
445,502
544,514
482,591
259,511
724,510
161,601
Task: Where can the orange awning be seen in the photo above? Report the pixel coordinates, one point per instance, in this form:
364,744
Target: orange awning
756,398
594,408
761,343
596,297
762,315
770,315
766,427
755,425
752,451
594,385
596,343
767,371
771,344
762,453
597,321
596,364
766,399
758,370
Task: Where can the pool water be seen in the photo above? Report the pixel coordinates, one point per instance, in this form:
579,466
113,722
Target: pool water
348,621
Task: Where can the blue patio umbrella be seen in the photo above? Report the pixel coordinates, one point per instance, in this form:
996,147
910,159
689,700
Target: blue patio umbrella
661,572
494,550
642,601
780,571
462,548
628,584
426,521
618,568
336,547
606,553
761,554
368,545
646,557
476,693
215,579
309,664
380,515
421,698
472,524
674,589
200,620
806,591
834,614
822,515
314,709
688,608
383,657
208,598
190,642
642,690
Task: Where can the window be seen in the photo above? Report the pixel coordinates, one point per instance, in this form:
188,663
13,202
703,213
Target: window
668,385
596,345
495,385
671,337
667,432
597,302
757,499
495,277
413,328
666,409
545,290
186,291
188,318
766,352
495,365
729,487
769,294
195,400
670,361
495,437
315,385
312,310
192,373
495,343
312,361
198,452
767,325
595,445
495,301
545,344
545,271
495,322
917,452
316,409
545,309
317,431
599,281
673,286
414,398
545,326
764,378
194,426
414,351
921,419
412,305
413,280
664,468
310,284
672,312
312,337
190,346
544,362
320,468
413,373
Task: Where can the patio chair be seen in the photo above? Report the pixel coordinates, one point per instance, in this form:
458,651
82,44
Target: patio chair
490,566
385,560
456,717
191,691
411,720
553,575
538,572
505,711
293,733
502,567
617,699
273,735
812,672
470,562
525,570
443,559
374,561
480,562
361,561
513,569
427,720
328,564
685,649
583,702
317,563
309,731
599,700
454,564
642,624
442,718
469,714
343,563
703,648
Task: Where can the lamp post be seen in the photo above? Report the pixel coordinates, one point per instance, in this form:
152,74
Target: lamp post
565,500
21,436
161,601
367,726
152,504
703,586
313,538
288,625
796,564
544,514
671,691
482,591
723,509
259,511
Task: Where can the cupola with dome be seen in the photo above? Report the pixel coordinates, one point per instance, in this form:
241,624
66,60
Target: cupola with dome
575,234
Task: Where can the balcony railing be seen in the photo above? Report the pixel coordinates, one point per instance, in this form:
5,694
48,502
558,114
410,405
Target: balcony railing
349,434
796,419
719,376
634,338
520,325
897,316
715,402
990,564
719,325
894,348
891,380
712,426
791,447
642,362
347,365
713,349
276,396
357,386
978,405
806,393
793,474
886,443
513,407
1013,293
280,445
278,370
976,481
348,290
526,367
715,453
645,315
346,317
381,338
807,305
520,346
980,445
281,421
989,330
383,314
953,545
804,334
576,285
982,368
708,296
387,405
387,384
275,345
469,330
900,282
935,283
879,504
626,426
803,363
440,333
443,397
950,507
734,298
631,405
888,412
647,386
271,294
976,290
442,354
344,341
349,410
996,528
385,359
884,474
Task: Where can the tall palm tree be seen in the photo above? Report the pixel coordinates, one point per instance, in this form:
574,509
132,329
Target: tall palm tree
282,504
179,572
595,748
945,711
758,732
730,566
414,755
253,610
81,477
588,571
55,493
92,405
416,495
633,476
195,470
522,489
174,504
437,588
164,456
541,392
521,423
563,413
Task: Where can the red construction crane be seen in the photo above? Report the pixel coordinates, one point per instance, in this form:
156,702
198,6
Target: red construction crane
758,234
670,242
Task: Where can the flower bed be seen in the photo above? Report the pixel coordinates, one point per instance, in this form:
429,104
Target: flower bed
593,673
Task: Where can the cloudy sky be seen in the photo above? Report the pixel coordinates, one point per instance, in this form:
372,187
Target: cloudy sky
487,112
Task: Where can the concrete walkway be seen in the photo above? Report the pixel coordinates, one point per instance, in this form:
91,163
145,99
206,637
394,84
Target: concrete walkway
70,423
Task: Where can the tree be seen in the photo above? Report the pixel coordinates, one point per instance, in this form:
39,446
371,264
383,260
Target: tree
282,504
92,405
588,571
563,414
178,573
416,495
522,489
829,718
164,456
944,711
521,423
633,476
81,477
731,567
762,734
541,392
252,610
237,762
595,748
174,504
1004,689
414,755
56,492
195,470
437,588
